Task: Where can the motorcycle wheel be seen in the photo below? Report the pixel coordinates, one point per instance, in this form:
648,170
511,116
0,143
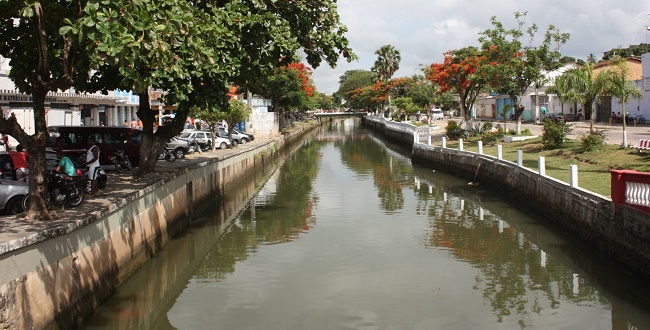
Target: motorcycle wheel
127,163
76,197
118,167
170,157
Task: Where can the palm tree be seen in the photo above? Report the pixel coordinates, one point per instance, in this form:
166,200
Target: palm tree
562,89
387,64
619,86
587,88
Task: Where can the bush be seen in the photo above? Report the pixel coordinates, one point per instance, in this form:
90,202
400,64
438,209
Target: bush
512,131
526,131
487,126
454,130
554,133
593,142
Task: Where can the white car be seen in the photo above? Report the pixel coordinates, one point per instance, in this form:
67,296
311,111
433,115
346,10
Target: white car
436,114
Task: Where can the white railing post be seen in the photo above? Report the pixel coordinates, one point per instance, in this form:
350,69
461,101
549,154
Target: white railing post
460,144
429,139
520,157
415,137
573,178
444,142
480,147
499,152
542,166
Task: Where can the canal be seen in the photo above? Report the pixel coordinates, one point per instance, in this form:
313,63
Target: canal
346,233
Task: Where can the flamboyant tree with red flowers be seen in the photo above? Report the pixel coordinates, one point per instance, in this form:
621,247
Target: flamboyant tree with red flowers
461,73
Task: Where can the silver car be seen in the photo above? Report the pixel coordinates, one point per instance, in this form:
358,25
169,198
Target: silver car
11,195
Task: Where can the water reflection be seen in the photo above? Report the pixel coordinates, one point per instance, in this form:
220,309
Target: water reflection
347,233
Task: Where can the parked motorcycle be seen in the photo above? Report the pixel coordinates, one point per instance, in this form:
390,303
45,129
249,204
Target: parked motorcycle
195,146
168,155
121,161
62,191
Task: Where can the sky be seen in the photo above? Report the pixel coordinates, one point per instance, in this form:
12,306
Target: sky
422,30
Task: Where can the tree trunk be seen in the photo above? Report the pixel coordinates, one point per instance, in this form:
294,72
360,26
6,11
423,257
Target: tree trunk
152,142
35,145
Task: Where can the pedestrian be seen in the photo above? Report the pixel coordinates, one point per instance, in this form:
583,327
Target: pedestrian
134,124
92,161
140,124
126,123
19,158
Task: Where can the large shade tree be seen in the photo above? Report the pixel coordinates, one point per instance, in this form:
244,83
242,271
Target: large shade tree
352,80
195,50
42,61
516,65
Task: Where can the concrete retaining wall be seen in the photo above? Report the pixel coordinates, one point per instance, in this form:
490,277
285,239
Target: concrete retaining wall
624,235
56,282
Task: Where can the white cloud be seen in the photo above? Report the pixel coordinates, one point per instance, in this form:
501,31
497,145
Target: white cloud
422,30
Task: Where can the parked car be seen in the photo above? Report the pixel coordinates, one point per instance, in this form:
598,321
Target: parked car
436,114
204,139
180,147
236,136
12,194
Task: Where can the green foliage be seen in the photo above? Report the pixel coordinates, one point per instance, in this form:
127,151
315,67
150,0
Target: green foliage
406,104
487,126
526,131
593,142
352,80
554,133
388,59
512,132
491,138
455,131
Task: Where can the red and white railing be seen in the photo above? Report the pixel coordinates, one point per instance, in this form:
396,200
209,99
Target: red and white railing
631,188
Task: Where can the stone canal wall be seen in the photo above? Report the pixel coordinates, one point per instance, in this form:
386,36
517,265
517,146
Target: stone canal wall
624,235
56,278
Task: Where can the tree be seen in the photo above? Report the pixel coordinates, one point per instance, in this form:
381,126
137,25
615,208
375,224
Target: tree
563,90
619,85
289,88
461,73
41,61
387,63
587,87
514,66
232,112
406,105
323,101
189,49
352,80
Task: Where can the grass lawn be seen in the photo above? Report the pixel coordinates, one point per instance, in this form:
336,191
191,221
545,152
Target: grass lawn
593,166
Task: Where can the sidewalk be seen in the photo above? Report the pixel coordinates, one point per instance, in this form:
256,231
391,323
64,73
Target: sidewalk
16,232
